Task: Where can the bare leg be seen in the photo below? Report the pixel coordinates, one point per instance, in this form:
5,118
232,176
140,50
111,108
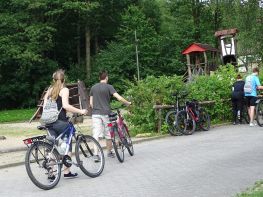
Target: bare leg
109,145
252,113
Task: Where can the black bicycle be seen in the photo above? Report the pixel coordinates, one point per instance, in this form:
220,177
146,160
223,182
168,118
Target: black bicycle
171,115
259,111
46,155
120,135
245,116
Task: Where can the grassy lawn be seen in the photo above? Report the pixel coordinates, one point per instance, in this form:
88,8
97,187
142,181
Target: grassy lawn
255,191
28,130
20,132
16,115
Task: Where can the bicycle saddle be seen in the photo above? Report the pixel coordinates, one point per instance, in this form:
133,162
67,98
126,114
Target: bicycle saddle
113,116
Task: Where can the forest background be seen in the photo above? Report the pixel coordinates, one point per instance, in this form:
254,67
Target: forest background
84,37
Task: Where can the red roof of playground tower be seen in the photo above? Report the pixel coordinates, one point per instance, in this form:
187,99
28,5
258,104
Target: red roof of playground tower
198,47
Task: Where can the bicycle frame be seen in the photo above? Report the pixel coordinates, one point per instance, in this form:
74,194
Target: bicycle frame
72,132
190,111
119,124
70,129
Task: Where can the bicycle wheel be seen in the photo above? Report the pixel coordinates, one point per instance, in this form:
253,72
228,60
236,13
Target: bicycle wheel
43,166
89,155
118,146
259,113
170,120
128,142
185,124
204,120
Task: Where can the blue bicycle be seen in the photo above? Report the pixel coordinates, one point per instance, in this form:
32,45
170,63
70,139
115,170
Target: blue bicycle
45,156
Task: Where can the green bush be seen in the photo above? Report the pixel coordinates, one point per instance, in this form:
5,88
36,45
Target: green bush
216,87
147,93
157,90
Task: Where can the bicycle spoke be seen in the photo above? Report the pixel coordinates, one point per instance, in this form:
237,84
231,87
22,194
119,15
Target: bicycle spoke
89,156
41,164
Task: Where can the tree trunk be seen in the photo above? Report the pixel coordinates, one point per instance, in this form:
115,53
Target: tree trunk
88,65
216,22
196,18
97,48
78,44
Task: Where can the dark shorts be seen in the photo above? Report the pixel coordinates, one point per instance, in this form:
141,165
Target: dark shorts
58,127
251,100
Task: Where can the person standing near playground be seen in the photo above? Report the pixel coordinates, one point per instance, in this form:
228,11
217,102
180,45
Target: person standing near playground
252,84
238,99
100,95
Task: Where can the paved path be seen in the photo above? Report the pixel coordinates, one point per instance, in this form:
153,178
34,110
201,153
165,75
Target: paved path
221,162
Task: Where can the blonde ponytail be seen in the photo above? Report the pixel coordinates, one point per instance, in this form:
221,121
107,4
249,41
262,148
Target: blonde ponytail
58,84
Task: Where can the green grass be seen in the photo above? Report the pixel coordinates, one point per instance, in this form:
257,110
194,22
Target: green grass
16,115
255,191
20,132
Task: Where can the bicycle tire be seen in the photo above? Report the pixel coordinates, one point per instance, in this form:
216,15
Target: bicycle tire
259,113
185,123
118,146
170,120
85,156
204,120
43,164
128,143
245,116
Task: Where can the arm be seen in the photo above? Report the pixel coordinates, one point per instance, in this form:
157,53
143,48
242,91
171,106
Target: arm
91,101
67,106
46,96
259,86
121,99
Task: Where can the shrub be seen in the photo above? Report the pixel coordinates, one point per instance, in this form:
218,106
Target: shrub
157,90
145,94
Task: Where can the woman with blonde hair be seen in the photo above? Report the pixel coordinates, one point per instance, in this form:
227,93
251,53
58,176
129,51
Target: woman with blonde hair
59,93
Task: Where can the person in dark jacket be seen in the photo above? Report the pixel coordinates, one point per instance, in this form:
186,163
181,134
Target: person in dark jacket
238,99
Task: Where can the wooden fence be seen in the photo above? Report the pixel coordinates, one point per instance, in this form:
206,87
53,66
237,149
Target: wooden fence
159,108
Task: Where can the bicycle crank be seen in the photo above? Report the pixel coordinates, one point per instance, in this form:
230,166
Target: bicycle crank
67,161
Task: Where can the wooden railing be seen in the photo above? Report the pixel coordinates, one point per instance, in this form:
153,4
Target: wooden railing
159,108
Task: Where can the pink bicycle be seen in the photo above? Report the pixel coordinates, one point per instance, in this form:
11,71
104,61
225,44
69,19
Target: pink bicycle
120,135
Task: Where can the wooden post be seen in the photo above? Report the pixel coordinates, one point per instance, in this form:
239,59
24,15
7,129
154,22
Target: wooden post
189,66
87,45
159,115
206,63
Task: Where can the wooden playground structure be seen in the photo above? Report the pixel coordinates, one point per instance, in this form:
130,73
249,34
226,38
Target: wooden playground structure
78,97
202,59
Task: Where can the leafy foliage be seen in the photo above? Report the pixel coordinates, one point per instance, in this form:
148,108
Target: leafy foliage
37,37
147,93
158,90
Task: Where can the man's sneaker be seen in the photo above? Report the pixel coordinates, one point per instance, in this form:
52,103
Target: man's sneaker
96,158
70,175
251,124
111,154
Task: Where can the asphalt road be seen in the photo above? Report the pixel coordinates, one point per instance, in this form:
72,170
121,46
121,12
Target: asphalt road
220,162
